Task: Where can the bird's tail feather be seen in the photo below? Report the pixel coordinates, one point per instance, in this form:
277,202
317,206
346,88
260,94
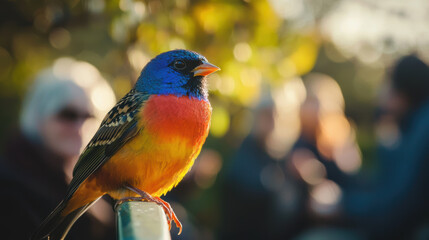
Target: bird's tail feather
56,226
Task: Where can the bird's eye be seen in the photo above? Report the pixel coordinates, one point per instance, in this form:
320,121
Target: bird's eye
179,65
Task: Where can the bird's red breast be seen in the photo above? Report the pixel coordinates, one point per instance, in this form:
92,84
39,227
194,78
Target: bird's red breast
170,116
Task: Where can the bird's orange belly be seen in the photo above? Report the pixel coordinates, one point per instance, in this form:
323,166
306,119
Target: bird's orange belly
153,168
173,132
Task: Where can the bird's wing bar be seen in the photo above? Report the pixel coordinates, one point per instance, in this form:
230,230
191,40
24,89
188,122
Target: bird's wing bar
118,127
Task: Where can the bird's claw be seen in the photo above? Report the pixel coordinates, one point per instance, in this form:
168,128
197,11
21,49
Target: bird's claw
171,216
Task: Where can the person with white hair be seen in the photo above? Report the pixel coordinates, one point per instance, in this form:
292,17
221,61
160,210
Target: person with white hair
53,114
37,160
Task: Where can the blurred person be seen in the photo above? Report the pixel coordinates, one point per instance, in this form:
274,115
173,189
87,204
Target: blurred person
309,143
326,149
260,201
39,159
324,155
395,204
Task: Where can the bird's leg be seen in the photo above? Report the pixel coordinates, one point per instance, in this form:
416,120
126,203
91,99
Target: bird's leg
171,216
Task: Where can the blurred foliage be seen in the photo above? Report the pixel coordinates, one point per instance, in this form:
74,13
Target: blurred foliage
119,37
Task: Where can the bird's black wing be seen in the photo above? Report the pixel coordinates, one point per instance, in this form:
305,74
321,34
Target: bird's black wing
118,127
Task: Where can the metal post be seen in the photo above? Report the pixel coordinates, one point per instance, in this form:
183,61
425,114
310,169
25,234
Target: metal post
141,221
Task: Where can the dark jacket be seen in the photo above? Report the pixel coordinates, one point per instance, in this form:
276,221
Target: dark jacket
254,204
32,183
396,206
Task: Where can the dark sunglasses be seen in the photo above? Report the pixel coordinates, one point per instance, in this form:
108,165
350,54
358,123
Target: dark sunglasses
72,115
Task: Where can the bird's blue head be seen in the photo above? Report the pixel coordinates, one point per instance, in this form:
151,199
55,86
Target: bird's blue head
178,72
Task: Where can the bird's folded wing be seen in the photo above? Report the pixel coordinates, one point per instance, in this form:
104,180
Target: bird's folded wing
118,127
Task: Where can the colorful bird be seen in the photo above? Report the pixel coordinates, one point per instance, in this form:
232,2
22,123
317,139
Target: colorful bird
146,143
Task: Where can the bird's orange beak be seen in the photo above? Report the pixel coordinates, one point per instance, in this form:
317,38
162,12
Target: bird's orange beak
205,69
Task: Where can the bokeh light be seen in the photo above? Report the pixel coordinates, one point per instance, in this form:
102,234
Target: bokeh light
309,168
325,196
220,122
207,167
